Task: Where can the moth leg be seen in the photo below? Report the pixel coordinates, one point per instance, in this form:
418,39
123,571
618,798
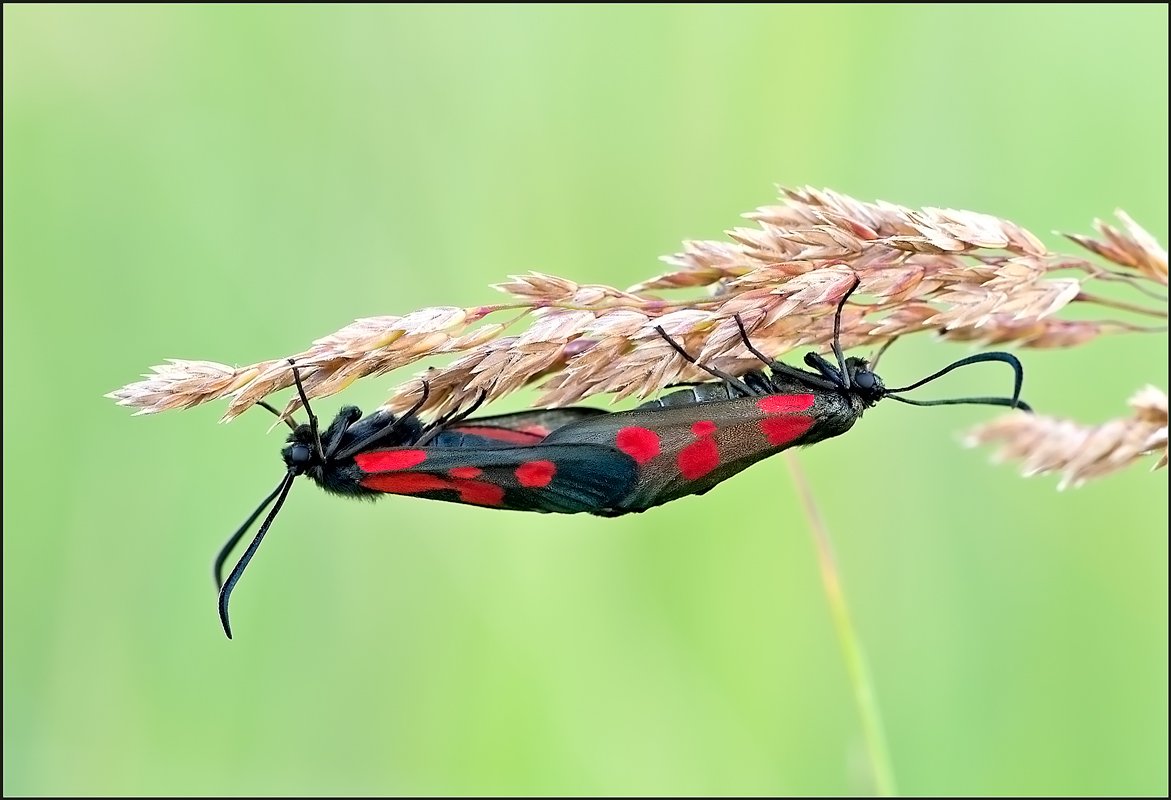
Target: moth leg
780,366
308,409
731,380
287,420
451,417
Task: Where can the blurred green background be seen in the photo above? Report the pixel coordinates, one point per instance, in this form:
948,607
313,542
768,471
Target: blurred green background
230,183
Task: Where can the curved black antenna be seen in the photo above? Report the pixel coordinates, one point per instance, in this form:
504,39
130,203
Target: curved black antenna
731,380
975,401
308,410
282,491
1006,358
226,550
292,425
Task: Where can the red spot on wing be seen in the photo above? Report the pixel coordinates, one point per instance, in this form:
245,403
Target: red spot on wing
785,403
389,460
703,427
406,483
536,473
780,430
698,458
640,444
465,472
477,493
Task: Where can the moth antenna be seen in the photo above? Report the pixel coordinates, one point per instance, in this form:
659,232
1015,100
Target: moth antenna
1006,358
226,550
292,425
975,401
282,491
308,410
731,380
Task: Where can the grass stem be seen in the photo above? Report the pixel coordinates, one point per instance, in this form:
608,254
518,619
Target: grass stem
852,651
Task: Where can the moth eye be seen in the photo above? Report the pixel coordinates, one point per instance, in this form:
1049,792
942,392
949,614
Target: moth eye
300,454
864,380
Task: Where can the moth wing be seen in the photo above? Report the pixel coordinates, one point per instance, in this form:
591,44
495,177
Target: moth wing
566,479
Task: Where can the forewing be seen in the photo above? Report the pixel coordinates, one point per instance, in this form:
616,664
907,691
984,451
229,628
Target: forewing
566,479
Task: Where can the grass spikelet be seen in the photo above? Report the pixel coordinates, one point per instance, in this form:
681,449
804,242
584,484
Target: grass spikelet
181,384
1080,452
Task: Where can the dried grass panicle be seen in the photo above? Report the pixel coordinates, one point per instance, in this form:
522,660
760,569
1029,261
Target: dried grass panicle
964,275
1080,452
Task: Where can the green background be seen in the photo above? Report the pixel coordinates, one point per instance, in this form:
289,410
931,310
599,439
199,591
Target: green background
230,183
